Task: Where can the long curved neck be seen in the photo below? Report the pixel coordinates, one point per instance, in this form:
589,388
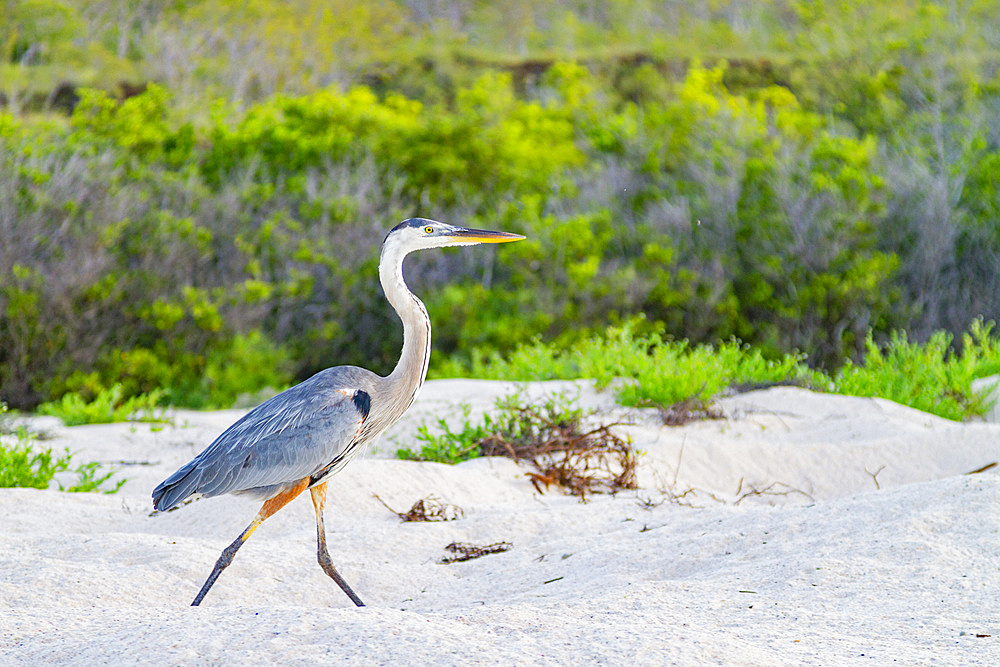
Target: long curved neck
408,375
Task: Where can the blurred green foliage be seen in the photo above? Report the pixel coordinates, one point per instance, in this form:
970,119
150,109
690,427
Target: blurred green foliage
108,406
804,177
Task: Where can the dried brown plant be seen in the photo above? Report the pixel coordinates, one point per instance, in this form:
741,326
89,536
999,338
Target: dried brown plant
563,453
429,508
464,551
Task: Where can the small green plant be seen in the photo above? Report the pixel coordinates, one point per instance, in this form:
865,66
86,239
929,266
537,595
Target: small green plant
443,445
23,465
90,479
107,407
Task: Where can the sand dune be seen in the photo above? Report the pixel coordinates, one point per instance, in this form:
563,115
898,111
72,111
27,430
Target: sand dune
868,542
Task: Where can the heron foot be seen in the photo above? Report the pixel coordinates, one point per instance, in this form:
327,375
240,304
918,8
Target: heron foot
224,560
327,564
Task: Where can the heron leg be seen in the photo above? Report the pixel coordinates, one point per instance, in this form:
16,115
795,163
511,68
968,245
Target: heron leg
319,501
270,507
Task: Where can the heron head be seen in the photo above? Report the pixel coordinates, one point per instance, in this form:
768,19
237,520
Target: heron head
419,233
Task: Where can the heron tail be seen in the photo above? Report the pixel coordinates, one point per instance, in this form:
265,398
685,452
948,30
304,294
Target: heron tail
173,490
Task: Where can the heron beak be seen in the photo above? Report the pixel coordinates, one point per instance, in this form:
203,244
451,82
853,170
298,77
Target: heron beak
470,236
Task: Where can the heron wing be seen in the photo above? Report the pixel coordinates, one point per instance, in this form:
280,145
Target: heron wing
287,438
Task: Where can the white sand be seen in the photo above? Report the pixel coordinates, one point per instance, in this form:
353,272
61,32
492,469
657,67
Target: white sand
834,572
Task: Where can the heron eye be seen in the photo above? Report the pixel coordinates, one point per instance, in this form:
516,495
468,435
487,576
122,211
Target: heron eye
428,229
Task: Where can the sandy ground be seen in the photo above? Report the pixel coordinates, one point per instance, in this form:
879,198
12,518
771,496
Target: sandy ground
816,529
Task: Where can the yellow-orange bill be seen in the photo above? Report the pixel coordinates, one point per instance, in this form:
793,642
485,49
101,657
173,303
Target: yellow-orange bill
484,236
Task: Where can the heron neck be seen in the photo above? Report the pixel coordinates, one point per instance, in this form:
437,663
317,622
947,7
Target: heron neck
411,369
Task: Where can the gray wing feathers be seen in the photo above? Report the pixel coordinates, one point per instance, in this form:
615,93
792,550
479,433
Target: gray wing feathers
285,439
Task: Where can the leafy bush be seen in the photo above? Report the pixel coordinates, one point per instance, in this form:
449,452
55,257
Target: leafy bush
832,174
443,445
23,465
650,368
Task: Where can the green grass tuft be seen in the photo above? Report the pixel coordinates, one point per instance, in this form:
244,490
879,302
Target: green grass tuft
930,376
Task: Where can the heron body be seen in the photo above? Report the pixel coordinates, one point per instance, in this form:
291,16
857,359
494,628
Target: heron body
299,438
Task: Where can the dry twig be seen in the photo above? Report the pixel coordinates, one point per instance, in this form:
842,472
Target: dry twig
773,489
669,488
178,506
874,475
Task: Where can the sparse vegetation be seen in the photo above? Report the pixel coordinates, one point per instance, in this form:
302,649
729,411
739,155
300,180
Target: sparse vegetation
24,463
549,435
441,444
515,424
649,370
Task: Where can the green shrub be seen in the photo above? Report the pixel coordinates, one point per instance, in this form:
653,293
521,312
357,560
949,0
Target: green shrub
677,371
550,435
931,377
249,364
650,368
108,406
794,194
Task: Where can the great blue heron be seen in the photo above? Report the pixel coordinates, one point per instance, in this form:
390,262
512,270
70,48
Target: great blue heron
298,439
